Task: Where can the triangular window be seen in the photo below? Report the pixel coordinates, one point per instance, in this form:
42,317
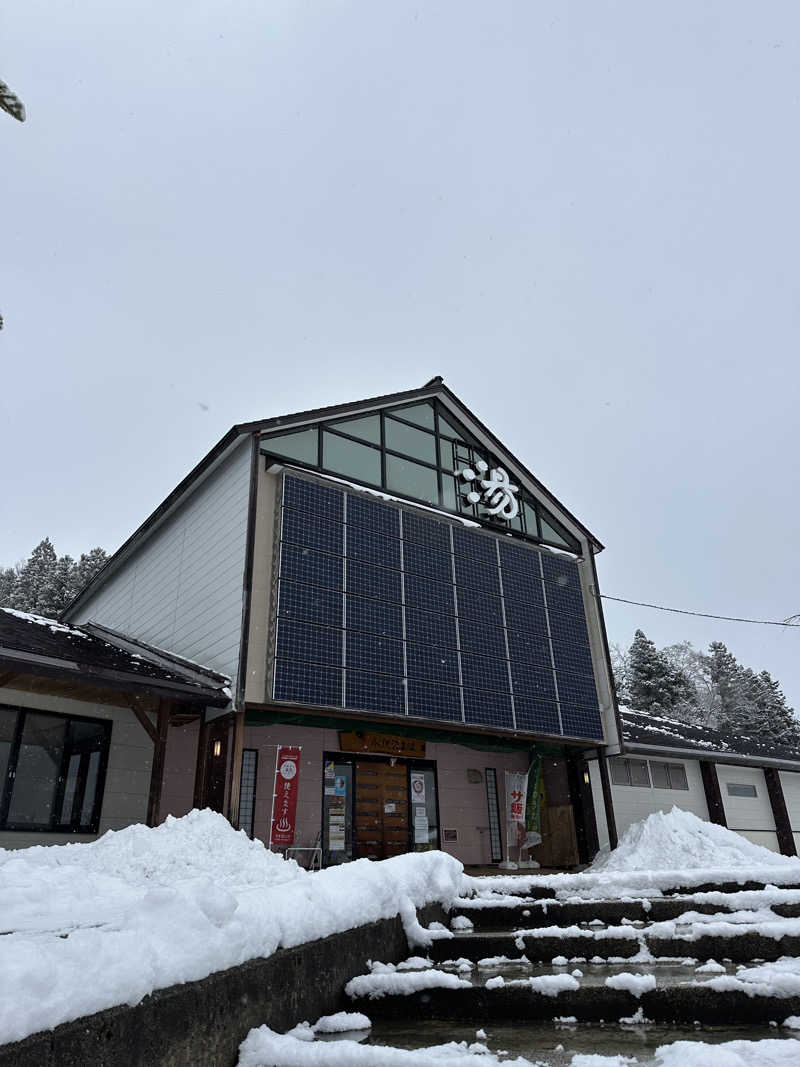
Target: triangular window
302,445
367,428
419,414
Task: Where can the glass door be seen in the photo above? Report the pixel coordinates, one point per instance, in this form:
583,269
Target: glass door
337,812
424,821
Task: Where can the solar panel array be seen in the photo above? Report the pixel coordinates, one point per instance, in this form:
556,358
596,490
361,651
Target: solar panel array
383,609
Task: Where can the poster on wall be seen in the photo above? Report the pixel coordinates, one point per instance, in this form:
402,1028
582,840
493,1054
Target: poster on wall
284,802
421,827
417,787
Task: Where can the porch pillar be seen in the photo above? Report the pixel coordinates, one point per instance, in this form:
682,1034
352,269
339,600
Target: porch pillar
783,826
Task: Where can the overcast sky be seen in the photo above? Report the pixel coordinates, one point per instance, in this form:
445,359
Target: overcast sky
583,215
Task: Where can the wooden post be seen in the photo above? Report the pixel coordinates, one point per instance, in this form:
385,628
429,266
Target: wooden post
716,808
611,822
201,767
157,772
236,768
783,826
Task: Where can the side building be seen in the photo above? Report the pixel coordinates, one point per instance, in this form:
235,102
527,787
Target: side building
391,589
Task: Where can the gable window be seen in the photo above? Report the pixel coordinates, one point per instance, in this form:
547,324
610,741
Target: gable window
741,789
668,775
52,770
415,451
630,772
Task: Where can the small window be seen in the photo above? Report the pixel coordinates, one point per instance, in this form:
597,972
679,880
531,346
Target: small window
367,428
350,459
421,414
411,479
741,789
247,791
302,446
630,772
410,441
668,775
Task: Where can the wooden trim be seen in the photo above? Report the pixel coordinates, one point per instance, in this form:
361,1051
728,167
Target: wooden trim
716,808
201,766
6,677
157,772
247,577
608,802
145,720
783,825
236,768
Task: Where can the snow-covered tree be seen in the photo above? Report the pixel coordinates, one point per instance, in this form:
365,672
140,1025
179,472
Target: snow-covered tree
45,583
654,684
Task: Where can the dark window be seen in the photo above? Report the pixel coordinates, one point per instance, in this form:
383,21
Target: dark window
52,770
247,792
495,843
410,441
412,479
741,789
343,456
668,775
630,772
302,446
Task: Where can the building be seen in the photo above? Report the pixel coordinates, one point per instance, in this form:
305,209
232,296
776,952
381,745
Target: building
85,723
391,589
736,782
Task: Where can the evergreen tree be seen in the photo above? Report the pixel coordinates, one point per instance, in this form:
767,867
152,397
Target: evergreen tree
654,684
45,583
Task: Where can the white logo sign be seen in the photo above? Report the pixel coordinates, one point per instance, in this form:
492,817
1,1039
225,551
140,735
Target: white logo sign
497,490
288,769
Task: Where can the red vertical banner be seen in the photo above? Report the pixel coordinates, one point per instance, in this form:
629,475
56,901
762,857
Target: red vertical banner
287,774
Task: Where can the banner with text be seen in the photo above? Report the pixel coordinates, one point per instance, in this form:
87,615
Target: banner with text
523,806
287,776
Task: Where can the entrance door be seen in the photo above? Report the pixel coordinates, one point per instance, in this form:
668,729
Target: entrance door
381,809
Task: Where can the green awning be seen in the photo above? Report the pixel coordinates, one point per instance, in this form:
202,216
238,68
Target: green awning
482,743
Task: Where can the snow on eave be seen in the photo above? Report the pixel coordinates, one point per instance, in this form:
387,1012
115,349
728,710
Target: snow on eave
41,620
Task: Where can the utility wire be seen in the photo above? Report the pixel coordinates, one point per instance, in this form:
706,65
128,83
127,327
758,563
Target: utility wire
793,620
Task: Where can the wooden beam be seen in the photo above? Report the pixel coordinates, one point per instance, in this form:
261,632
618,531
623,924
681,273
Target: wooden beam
145,720
157,772
716,808
236,768
608,801
6,677
783,825
201,767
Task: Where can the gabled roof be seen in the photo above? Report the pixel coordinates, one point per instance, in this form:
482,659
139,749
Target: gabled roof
32,644
642,732
434,388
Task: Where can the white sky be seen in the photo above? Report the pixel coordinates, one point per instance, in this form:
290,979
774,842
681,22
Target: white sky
583,215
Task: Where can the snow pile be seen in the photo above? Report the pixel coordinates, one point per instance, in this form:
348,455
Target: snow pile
90,926
779,979
771,1052
396,983
264,1048
679,840
632,983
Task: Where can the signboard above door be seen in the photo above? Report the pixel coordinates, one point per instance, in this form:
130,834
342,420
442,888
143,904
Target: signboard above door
382,744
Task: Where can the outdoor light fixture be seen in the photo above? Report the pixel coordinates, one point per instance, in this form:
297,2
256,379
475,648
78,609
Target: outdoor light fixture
586,777
217,749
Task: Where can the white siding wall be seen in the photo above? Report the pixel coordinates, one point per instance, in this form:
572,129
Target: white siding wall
130,760
790,783
181,590
749,816
632,803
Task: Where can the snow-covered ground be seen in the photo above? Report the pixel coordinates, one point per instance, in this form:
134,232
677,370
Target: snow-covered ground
85,927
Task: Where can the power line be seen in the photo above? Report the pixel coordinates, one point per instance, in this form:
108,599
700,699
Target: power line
704,614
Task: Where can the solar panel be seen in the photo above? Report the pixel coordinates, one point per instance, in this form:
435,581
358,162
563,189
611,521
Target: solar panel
311,603
323,501
375,692
385,609
303,528
488,709
374,616
377,582
295,682
428,701
479,672
364,545
376,517
311,567
429,595
421,559
433,663
310,644
374,653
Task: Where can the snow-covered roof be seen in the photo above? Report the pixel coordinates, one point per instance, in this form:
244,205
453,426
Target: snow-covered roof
644,730
33,644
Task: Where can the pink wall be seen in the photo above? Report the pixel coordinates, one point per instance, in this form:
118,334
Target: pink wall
179,770
462,804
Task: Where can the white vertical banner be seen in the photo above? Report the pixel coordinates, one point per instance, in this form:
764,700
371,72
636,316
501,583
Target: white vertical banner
516,792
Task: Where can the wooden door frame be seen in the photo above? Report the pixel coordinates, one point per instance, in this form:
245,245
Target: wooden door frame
411,763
